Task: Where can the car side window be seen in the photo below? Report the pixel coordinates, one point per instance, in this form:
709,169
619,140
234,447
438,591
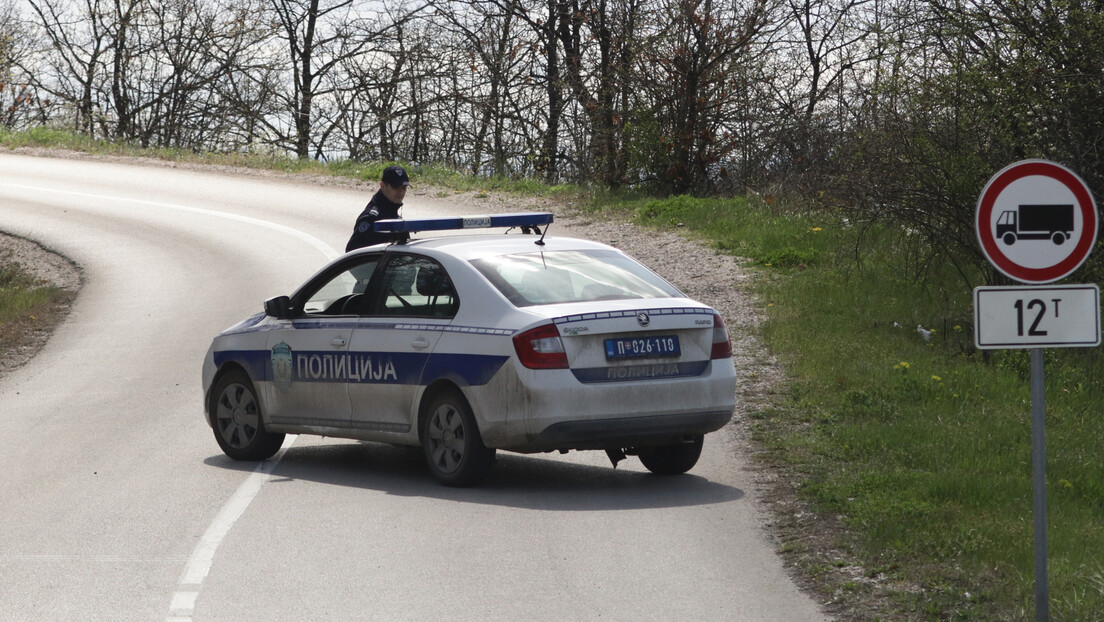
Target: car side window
343,293
415,286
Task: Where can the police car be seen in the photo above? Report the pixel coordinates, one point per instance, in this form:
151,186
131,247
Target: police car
467,344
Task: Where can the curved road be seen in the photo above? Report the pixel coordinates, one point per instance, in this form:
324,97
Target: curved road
116,503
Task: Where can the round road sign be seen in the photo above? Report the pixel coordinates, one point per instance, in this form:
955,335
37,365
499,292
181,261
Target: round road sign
1036,221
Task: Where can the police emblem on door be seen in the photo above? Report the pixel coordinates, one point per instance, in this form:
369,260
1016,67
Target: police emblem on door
281,366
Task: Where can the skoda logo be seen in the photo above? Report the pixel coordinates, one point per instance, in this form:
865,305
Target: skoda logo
643,319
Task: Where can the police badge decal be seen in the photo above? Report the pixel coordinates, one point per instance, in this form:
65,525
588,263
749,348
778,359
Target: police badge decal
281,366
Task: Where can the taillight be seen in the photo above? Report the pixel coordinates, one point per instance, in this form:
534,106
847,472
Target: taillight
722,346
541,348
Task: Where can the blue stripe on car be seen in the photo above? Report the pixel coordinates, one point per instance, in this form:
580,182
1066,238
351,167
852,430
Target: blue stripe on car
651,371
257,363
370,367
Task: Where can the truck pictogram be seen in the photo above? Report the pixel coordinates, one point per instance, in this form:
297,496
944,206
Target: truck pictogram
1036,222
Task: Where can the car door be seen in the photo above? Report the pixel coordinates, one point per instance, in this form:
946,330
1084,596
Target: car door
413,302
310,361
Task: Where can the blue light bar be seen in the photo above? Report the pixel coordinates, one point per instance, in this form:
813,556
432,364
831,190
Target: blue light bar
413,225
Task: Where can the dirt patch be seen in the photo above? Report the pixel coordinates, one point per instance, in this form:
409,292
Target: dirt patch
23,337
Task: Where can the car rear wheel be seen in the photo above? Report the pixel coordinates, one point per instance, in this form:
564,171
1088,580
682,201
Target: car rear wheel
237,421
454,449
672,459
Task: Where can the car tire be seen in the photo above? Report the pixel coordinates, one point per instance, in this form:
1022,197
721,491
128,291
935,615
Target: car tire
237,421
672,459
454,450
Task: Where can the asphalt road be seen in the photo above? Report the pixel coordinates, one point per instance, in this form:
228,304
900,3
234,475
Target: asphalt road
116,503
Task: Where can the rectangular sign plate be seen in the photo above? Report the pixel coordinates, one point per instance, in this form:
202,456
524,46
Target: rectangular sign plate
642,347
1066,316
474,222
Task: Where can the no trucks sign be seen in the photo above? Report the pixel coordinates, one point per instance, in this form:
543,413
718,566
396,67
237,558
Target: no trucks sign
1036,221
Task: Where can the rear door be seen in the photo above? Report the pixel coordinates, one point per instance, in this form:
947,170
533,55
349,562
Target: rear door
413,302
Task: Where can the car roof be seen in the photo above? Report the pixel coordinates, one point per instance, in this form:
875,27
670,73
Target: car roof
470,247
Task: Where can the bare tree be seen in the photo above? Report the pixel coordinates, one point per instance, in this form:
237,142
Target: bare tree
319,35
196,45
597,38
493,37
17,98
375,97
79,40
694,54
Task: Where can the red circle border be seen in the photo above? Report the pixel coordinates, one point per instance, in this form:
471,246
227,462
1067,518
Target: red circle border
988,199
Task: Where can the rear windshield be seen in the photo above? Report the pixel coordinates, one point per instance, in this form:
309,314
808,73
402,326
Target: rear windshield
571,276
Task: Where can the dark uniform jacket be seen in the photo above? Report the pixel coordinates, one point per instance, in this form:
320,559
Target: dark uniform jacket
379,208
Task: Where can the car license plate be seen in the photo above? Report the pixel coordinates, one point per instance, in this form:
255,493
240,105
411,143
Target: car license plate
642,347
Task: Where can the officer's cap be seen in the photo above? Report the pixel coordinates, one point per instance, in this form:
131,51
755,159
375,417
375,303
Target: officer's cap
395,176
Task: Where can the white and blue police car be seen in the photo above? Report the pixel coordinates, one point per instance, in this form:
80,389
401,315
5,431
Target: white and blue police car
468,344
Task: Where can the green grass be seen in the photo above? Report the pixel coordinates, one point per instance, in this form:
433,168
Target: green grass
19,294
24,303
923,450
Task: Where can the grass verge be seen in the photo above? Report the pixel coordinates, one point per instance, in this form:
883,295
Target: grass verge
266,159
28,309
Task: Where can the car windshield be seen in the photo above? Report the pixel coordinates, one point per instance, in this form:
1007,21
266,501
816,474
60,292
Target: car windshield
571,276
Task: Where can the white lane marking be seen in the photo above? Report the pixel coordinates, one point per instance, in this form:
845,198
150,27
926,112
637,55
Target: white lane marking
199,564
183,602
327,250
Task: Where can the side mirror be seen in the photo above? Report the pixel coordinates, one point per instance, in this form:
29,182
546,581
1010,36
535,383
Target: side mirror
278,307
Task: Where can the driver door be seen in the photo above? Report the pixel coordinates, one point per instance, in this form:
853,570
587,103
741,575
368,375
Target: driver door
310,362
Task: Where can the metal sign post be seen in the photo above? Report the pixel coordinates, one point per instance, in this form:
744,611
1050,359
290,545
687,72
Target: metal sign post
1037,222
1038,485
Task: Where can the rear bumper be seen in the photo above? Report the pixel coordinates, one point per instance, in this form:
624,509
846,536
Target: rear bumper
625,432
531,411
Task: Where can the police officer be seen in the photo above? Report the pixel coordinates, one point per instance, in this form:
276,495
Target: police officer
384,205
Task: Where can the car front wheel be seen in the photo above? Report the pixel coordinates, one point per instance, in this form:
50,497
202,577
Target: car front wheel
453,448
237,422
672,459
